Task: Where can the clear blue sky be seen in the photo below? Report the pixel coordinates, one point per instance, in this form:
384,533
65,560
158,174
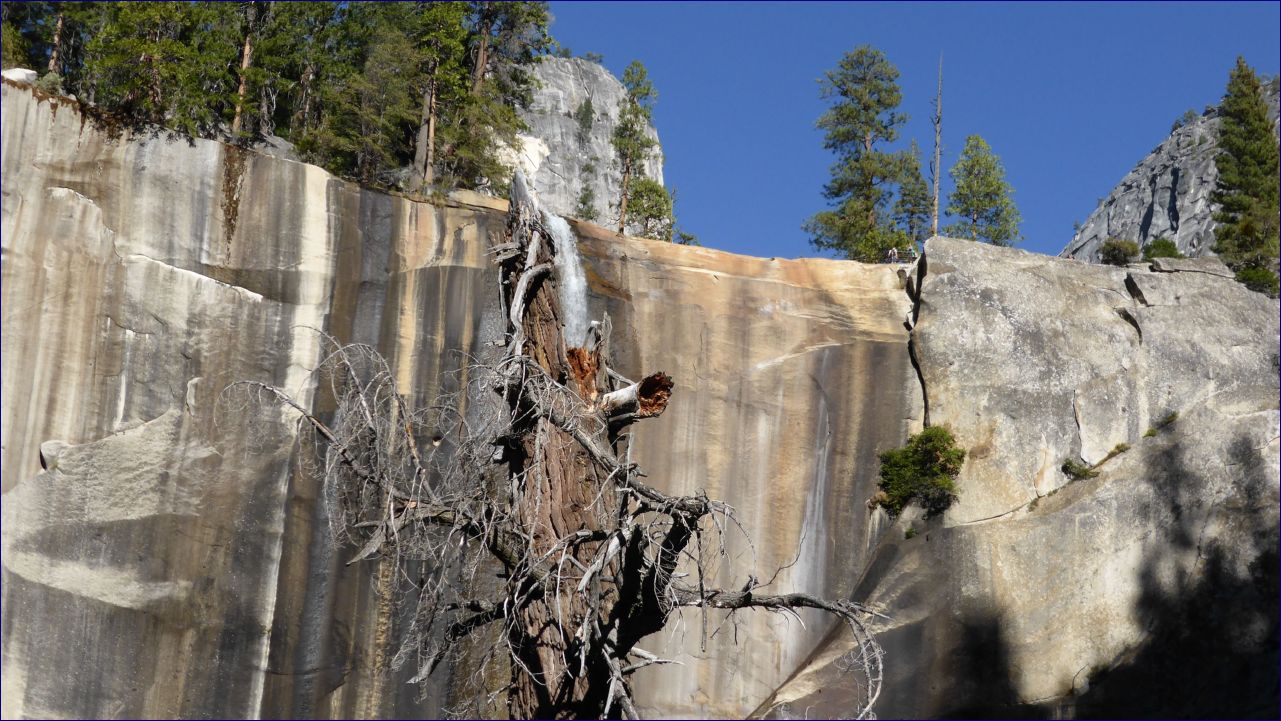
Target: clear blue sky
1069,95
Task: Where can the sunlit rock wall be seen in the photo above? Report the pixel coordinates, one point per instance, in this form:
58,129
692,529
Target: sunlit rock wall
170,557
1150,589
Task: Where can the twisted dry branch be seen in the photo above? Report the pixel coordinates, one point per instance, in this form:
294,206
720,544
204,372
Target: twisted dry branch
514,495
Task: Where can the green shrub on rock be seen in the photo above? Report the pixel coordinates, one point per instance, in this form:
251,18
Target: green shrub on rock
1078,471
1115,251
1161,247
924,470
1260,280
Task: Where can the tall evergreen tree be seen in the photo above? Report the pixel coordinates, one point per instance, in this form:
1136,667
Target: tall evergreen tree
981,199
632,145
371,112
914,206
167,62
1247,189
440,34
503,40
862,119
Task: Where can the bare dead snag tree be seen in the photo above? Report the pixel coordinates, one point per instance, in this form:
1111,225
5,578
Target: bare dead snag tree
936,166
527,465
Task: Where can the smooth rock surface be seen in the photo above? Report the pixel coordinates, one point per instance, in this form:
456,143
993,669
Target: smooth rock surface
1167,194
1033,360
558,158
172,559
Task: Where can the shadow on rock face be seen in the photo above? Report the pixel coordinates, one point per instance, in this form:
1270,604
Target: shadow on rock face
984,685
1212,640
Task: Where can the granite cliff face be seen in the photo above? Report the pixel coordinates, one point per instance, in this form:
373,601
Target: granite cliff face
172,526
1148,590
165,554
1167,194
568,146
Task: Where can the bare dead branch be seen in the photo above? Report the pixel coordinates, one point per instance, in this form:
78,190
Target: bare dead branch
516,472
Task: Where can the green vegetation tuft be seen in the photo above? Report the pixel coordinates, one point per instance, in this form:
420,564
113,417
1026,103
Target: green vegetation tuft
585,117
924,471
1188,116
1115,251
1161,247
1259,280
1117,450
1078,471
51,84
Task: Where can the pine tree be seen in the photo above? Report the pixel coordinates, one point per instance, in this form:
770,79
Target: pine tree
370,115
632,145
914,206
1247,189
441,37
503,40
862,119
169,63
304,48
651,208
981,199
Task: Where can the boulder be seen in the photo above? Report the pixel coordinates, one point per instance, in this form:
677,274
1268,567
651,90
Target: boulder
20,75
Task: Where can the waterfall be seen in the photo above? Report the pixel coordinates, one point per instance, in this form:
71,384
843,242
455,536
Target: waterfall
570,280
877,521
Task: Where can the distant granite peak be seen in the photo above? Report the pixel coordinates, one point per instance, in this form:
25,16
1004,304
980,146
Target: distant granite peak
1166,194
565,150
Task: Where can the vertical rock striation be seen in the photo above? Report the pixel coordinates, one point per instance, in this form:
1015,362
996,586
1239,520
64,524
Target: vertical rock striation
171,556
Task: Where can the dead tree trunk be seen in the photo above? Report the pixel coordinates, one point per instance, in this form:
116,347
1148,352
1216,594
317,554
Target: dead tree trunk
55,51
246,61
424,152
540,482
937,166
558,491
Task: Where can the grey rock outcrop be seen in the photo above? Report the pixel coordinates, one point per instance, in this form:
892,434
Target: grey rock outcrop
1167,194
561,154
1036,595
